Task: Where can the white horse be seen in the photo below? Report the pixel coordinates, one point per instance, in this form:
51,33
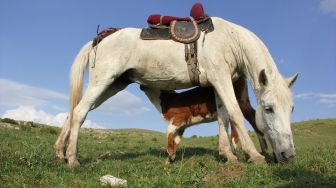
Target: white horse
225,54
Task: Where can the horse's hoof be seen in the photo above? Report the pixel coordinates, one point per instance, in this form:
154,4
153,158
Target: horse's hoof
73,163
59,158
229,160
232,160
59,154
257,160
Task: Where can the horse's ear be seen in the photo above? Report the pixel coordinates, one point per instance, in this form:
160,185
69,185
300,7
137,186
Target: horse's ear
263,80
291,80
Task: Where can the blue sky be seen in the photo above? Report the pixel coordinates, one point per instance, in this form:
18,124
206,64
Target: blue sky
39,40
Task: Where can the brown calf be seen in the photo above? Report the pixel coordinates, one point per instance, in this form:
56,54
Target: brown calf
196,106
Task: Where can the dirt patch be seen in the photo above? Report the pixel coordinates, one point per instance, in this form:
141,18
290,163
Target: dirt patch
224,172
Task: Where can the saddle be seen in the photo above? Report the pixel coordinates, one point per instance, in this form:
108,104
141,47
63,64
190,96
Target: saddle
181,29
186,30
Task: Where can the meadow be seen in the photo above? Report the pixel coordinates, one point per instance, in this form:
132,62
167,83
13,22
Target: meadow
27,159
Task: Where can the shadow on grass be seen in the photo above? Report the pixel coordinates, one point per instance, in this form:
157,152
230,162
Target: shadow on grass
161,153
305,178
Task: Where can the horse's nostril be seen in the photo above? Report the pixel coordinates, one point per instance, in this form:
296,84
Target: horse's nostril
288,157
283,154
291,157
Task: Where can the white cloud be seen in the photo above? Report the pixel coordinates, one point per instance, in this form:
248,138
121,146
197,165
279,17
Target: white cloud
16,94
124,103
303,95
325,98
30,113
328,6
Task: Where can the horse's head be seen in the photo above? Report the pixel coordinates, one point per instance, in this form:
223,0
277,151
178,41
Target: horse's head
273,114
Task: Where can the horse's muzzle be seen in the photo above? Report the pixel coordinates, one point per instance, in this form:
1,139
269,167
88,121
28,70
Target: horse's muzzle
285,156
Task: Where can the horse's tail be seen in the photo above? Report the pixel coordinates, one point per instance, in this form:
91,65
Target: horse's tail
76,77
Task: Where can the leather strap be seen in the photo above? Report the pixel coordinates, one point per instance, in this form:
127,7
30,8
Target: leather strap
192,62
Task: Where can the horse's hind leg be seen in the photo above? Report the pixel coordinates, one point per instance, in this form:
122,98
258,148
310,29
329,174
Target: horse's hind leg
93,97
61,140
117,86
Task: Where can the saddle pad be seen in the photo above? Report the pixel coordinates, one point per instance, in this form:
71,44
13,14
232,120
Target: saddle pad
155,34
104,34
185,32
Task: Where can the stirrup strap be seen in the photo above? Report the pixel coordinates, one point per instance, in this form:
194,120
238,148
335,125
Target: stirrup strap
192,63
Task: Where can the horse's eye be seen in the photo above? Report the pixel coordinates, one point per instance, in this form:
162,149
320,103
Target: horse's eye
269,109
292,108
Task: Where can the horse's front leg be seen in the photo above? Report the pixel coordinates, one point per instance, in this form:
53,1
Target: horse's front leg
241,91
224,146
221,80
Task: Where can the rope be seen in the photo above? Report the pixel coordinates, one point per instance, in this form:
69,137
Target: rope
95,49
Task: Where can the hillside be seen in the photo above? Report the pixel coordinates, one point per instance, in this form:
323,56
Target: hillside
27,159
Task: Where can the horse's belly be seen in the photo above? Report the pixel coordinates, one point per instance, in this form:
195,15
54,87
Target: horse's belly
166,77
162,78
162,83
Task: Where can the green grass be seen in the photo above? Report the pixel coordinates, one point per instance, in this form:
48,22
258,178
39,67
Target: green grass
27,159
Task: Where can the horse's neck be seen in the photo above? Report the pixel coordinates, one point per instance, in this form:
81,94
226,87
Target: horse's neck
256,59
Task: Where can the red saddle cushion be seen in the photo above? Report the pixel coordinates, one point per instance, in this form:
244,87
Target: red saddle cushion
154,19
197,12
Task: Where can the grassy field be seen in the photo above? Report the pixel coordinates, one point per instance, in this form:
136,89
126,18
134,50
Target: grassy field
27,159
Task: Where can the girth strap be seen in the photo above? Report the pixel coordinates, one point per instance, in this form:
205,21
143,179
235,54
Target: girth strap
192,62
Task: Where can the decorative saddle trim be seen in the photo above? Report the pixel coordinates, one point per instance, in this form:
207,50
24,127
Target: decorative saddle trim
185,32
